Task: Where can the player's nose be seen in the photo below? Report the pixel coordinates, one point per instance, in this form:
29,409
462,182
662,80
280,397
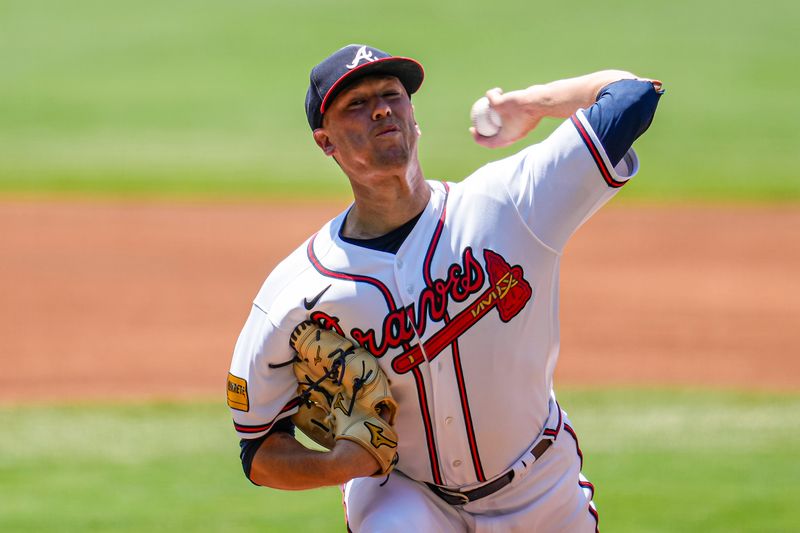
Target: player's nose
381,110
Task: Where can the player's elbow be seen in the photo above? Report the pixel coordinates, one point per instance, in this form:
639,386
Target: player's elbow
643,103
260,471
637,101
270,461
249,448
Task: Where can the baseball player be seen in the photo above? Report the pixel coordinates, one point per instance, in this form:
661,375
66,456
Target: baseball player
453,288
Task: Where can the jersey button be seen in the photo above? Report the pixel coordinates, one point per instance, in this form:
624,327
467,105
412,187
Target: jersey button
399,263
457,463
410,290
448,420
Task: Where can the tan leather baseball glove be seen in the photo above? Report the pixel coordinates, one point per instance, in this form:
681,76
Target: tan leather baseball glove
344,394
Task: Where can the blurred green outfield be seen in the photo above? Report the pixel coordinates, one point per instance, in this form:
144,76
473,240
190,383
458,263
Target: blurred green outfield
662,461
176,99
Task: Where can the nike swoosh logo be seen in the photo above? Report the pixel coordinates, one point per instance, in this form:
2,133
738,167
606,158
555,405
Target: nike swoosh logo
310,304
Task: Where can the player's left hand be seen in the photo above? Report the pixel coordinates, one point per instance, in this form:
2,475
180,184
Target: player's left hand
344,395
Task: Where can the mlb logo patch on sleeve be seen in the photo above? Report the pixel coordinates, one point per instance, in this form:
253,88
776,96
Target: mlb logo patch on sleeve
237,393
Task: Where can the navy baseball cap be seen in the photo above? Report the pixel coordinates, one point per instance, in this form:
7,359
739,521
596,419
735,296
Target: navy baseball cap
349,64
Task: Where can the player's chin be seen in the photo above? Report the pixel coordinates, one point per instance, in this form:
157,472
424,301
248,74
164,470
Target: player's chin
397,155
392,161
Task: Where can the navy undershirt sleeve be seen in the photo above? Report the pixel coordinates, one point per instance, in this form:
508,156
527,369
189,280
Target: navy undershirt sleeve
249,447
623,111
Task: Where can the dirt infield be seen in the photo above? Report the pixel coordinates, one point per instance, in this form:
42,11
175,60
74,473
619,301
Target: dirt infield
129,300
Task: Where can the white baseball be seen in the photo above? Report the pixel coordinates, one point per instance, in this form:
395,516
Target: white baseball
485,119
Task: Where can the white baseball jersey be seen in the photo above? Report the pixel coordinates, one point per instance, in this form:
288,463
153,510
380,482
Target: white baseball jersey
463,318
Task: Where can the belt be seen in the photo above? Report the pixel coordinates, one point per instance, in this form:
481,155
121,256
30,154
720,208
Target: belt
454,497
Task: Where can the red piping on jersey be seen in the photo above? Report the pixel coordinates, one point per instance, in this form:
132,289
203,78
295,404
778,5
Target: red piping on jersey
593,512
554,432
598,159
423,403
241,428
252,429
577,446
462,392
462,389
351,277
587,484
426,267
426,418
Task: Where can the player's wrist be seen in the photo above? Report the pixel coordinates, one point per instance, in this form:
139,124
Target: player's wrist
538,98
547,100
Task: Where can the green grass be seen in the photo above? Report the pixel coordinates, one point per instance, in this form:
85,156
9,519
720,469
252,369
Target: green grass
161,467
691,461
174,98
661,461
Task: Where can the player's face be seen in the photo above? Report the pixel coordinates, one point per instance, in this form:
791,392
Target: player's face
370,126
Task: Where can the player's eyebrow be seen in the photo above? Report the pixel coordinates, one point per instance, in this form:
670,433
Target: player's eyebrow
358,89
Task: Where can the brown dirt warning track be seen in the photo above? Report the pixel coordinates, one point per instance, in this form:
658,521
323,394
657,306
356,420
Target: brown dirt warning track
117,301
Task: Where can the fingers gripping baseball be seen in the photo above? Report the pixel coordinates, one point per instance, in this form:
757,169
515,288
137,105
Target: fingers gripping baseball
344,394
515,118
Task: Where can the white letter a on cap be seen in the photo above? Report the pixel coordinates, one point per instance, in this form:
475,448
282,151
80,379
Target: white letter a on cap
361,54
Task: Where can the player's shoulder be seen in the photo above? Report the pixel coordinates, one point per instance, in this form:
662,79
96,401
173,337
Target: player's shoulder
511,178
292,278
490,178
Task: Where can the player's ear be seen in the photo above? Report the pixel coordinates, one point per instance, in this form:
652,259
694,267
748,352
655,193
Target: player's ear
416,124
323,141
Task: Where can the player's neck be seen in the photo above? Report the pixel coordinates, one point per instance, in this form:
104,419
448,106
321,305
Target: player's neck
385,204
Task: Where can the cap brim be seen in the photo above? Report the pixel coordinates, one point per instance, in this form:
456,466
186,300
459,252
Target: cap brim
408,71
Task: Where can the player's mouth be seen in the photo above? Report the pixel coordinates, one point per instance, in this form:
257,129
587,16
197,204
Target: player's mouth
387,130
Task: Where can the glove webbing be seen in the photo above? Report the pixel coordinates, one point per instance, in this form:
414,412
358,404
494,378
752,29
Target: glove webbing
338,365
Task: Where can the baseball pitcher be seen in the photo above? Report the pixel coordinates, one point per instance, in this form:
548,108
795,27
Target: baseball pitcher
414,336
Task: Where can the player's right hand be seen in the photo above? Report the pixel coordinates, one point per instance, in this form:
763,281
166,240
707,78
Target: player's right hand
518,116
